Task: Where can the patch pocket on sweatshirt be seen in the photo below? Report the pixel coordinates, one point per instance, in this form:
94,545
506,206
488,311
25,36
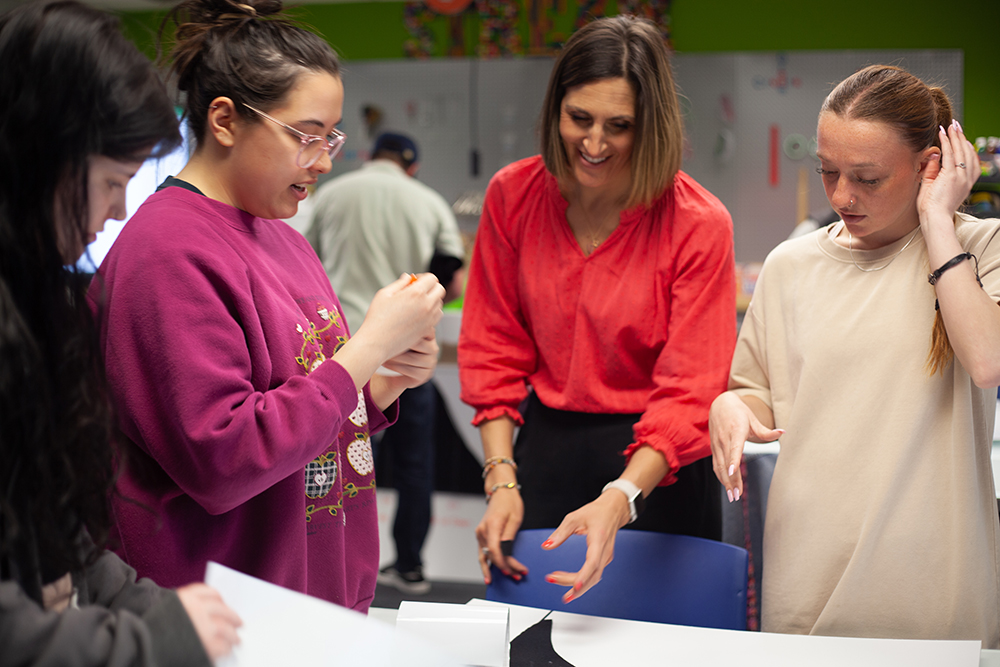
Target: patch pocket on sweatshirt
321,473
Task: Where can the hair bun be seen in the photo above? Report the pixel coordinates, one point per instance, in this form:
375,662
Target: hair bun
220,12
243,10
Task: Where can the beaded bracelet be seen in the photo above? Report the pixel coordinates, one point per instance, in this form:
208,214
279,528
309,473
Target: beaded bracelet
494,461
496,487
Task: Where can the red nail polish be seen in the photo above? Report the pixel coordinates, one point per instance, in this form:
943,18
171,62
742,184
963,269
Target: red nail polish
550,579
517,577
577,586
547,544
505,572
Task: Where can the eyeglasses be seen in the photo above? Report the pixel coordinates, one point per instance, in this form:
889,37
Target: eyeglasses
312,146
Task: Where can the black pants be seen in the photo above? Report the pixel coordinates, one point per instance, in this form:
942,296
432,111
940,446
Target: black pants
411,440
565,458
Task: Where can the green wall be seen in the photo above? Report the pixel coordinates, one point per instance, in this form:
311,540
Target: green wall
363,31
776,25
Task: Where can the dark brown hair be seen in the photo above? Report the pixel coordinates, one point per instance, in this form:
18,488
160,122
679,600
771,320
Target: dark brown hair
890,95
630,48
248,51
71,87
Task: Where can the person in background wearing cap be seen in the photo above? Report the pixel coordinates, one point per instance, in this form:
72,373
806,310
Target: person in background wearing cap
368,227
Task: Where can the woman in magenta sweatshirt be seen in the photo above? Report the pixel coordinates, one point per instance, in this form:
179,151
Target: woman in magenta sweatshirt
248,404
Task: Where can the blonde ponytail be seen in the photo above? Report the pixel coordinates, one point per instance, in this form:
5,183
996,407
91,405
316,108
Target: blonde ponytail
940,354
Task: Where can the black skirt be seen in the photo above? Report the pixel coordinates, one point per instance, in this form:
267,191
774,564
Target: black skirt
565,458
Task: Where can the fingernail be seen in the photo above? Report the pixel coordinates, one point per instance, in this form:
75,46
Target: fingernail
736,493
730,494
959,126
486,581
549,578
780,430
941,127
547,544
567,598
577,586
506,573
732,468
517,577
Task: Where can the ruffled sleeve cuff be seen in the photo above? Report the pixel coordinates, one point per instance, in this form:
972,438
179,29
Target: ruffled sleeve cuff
486,414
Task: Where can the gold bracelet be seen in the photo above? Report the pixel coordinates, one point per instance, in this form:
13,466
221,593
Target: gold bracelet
494,461
496,487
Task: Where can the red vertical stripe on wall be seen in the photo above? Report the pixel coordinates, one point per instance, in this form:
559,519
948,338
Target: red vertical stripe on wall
775,157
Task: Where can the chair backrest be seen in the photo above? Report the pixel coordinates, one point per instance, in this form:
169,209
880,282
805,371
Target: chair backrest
654,577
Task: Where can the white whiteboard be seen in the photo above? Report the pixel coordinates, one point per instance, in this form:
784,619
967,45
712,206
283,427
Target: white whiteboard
731,102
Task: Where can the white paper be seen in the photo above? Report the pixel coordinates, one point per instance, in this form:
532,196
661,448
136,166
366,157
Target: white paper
521,618
284,627
474,635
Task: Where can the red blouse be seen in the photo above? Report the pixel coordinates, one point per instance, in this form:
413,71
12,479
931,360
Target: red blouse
646,323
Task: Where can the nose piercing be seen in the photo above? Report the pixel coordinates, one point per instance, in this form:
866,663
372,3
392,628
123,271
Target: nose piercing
851,203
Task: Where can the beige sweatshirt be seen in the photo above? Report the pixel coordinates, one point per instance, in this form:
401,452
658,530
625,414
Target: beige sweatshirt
882,516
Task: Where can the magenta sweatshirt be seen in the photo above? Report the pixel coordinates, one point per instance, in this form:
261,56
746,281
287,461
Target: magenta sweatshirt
248,444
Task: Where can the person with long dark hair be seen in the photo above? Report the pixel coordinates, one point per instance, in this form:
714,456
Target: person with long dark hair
603,278
241,391
80,110
871,349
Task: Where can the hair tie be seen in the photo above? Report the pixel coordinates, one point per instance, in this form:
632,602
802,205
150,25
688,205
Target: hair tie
249,12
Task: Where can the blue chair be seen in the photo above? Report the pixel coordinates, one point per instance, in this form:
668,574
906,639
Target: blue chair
654,577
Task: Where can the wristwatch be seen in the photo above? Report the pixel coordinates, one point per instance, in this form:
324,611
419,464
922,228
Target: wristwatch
636,503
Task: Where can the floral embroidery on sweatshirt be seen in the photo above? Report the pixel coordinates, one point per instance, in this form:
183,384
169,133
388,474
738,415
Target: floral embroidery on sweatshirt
312,353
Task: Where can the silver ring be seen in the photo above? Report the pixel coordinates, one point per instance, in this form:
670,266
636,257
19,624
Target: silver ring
960,165
486,551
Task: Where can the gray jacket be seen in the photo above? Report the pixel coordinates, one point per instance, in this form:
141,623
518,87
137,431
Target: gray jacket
120,621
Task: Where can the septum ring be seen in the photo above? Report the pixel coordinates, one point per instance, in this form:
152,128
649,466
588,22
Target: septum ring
960,165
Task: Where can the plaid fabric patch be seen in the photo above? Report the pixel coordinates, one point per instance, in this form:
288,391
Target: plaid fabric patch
320,475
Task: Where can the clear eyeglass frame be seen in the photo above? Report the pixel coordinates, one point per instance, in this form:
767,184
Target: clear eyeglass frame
313,145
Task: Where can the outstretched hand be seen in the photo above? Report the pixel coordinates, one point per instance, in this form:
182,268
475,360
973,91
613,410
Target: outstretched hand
731,423
600,521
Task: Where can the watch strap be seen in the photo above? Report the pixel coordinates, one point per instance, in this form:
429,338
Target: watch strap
636,503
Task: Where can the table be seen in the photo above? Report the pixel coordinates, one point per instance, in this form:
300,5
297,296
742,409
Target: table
588,640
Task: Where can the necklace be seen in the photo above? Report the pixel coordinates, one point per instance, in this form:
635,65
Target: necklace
850,248
596,237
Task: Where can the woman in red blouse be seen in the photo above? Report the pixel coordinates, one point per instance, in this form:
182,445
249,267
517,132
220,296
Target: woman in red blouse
602,277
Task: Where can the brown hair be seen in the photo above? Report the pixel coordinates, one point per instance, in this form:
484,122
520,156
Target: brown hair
246,50
890,95
631,48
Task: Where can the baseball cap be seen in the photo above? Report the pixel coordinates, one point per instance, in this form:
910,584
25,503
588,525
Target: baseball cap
397,143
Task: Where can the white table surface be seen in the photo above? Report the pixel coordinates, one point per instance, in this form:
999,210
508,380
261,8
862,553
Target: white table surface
575,626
